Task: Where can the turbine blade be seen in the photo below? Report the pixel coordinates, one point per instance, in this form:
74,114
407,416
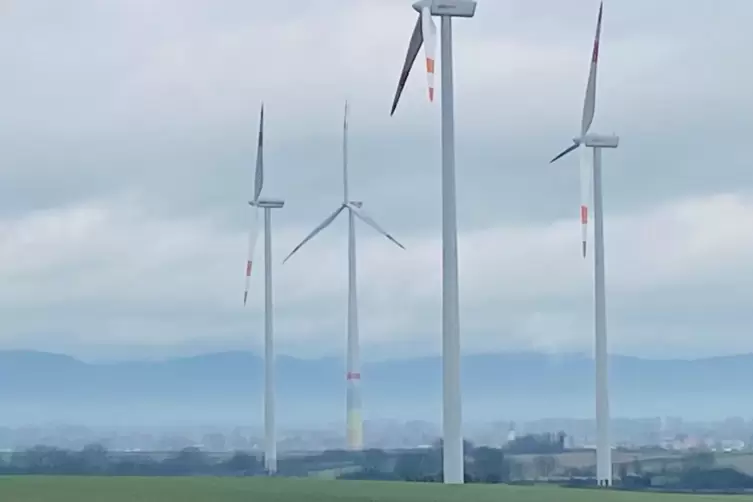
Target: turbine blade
414,46
586,163
345,153
589,105
259,178
565,152
373,224
252,237
318,229
429,32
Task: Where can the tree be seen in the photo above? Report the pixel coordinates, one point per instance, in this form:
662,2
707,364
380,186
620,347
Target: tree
561,436
489,465
517,471
369,475
637,467
544,465
49,460
374,460
422,465
189,460
664,466
137,465
699,460
408,466
242,464
94,459
336,455
622,471
714,479
538,444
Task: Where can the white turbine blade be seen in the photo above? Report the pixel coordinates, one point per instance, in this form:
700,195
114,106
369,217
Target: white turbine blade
586,165
259,178
373,224
589,105
414,46
318,229
429,31
252,237
345,153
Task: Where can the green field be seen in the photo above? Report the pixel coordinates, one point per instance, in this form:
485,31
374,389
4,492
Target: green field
51,489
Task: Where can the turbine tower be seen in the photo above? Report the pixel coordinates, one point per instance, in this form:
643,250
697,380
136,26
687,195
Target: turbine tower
270,442
425,34
596,142
353,375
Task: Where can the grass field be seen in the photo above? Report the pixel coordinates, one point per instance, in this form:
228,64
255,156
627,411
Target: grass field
51,489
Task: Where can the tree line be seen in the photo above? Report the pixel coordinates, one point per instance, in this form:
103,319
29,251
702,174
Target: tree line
484,464
694,472
95,460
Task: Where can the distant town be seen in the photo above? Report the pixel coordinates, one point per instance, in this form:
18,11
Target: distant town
670,433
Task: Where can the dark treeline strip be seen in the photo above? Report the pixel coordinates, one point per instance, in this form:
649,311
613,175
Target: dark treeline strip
694,472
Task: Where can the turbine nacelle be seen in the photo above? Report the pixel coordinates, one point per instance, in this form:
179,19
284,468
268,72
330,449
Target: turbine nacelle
599,141
268,203
450,8
356,203
590,141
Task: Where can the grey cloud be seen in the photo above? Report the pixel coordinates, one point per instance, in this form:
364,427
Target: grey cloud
160,100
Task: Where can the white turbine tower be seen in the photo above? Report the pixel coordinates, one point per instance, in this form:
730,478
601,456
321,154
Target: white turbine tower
353,376
596,142
270,442
425,34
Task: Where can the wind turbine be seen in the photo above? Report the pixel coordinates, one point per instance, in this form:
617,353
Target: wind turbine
270,442
425,33
596,142
353,376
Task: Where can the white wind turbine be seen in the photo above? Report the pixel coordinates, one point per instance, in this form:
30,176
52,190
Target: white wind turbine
270,442
425,33
353,375
596,142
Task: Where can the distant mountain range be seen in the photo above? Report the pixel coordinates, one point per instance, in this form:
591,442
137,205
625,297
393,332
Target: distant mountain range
226,388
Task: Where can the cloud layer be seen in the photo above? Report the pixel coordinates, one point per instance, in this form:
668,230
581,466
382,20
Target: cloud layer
108,274
127,144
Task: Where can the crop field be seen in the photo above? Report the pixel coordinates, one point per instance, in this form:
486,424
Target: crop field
125,489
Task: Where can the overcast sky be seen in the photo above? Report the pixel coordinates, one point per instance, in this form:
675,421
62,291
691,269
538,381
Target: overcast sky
127,145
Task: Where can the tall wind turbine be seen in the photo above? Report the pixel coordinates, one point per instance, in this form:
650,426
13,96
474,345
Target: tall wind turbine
270,442
353,376
592,167
425,33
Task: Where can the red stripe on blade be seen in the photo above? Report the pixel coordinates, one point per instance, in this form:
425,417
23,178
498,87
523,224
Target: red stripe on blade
595,56
583,214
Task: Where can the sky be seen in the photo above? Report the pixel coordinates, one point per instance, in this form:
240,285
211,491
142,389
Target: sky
127,146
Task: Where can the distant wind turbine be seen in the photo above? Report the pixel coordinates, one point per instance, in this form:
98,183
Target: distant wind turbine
596,143
425,34
353,376
270,442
